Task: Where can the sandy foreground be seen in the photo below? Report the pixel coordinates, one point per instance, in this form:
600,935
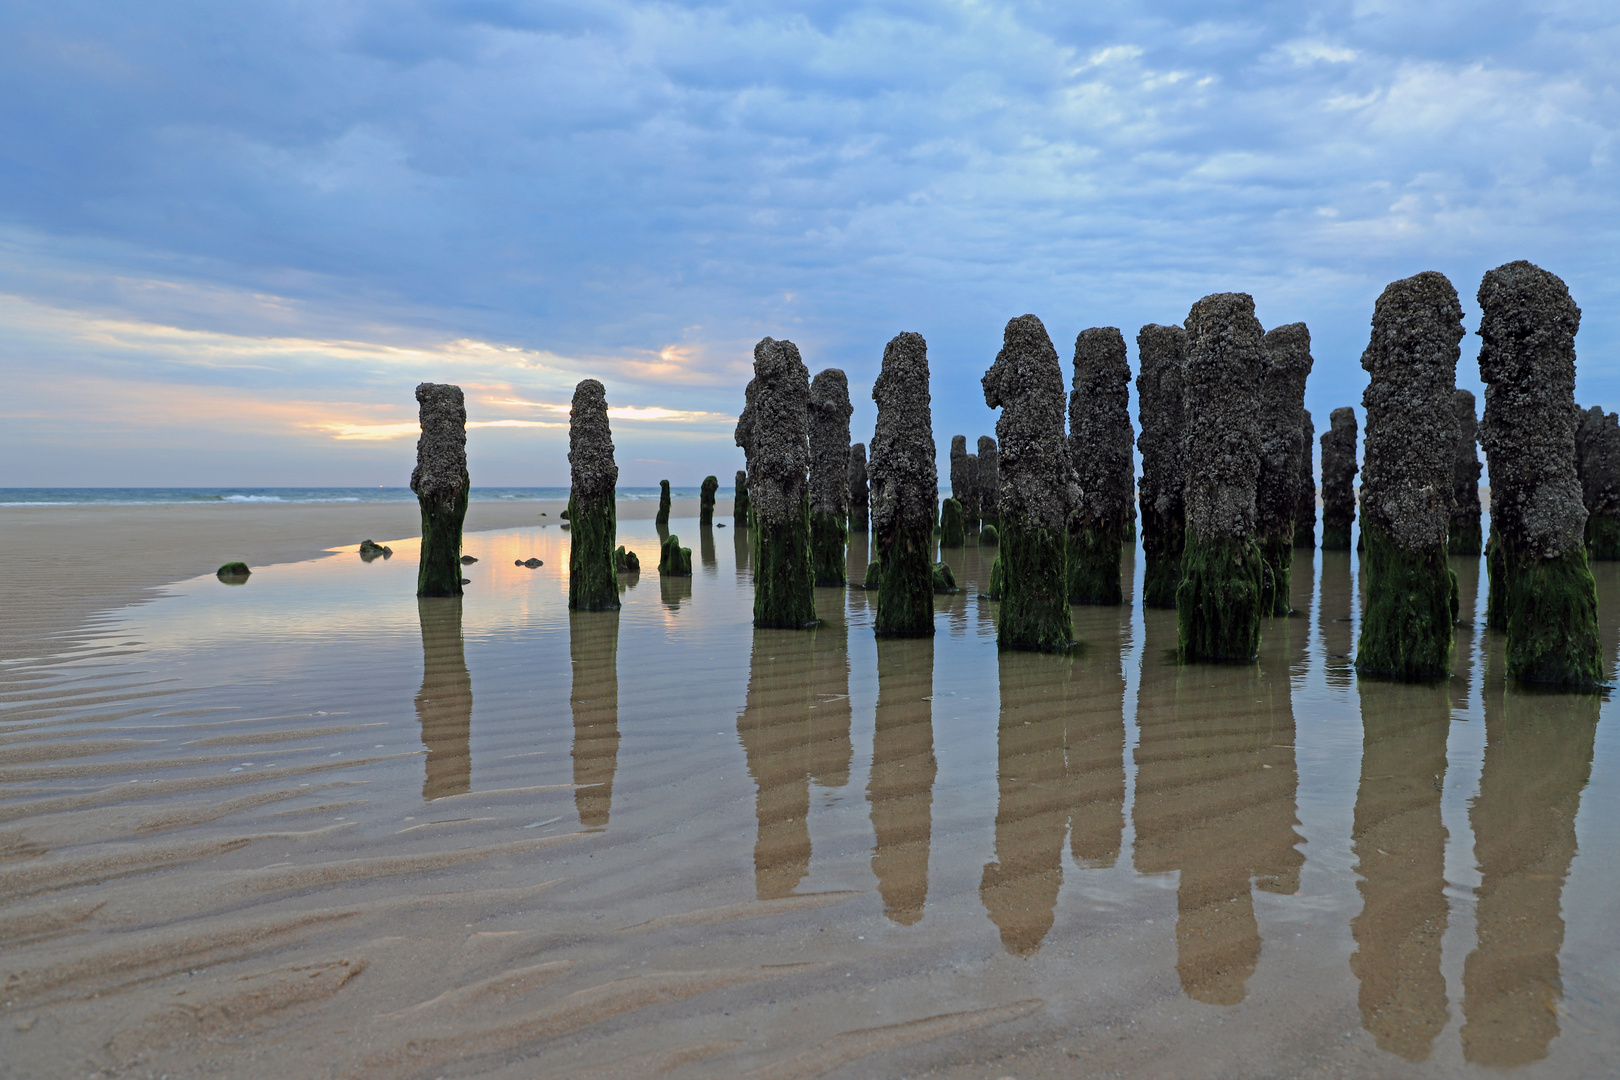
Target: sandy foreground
64,564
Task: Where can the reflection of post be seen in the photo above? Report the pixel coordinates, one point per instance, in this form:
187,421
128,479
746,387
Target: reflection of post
1462,639
1215,800
706,548
901,790
444,704
1020,888
1094,738
742,551
1538,756
1336,616
593,646
1399,841
794,726
672,590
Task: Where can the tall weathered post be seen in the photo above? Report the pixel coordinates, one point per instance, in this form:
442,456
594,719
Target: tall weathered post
1161,359
744,438
1305,507
779,488
739,505
1100,439
1037,489
1282,401
905,481
1597,455
593,584
706,493
1407,477
829,475
987,484
859,497
1465,535
1338,479
1218,600
441,484
661,521
1548,599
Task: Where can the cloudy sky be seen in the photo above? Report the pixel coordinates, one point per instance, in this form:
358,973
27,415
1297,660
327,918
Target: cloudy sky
233,237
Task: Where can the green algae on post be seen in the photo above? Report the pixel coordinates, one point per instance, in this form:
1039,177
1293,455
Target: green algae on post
706,494
905,483
1541,587
944,579
778,451
1026,383
661,521
441,484
998,579
1464,535
987,536
593,583
1218,601
1162,357
1406,481
1100,440
1282,401
952,525
1339,479
829,476
674,560
624,562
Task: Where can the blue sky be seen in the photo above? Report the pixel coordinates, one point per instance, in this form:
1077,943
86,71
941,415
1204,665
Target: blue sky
234,236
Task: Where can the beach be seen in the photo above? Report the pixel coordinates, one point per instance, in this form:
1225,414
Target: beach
311,825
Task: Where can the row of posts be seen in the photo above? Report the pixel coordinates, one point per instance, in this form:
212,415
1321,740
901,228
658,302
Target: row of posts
1225,496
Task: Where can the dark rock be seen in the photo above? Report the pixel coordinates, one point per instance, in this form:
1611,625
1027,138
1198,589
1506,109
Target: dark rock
904,485
592,582
1100,440
1339,479
1541,588
1218,600
466,581
1161,358
233,572
370,550
441,484
779,489
468,560
1282,407
1407,478
1037,488
859,497
531,563
944,579
829,476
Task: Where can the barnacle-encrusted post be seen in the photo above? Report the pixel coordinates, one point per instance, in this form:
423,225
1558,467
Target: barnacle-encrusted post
988,482
1407,477
1305,508
739,506
1464,536
1037,489
1100,439
859,498
1597,455
1338,479
744,438
1282,400
1538,519
905,482
441,484
1218,600
779,488
593,584
829,475
706,493
1161,361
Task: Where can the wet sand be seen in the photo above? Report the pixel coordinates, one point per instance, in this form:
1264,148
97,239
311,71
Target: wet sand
312,826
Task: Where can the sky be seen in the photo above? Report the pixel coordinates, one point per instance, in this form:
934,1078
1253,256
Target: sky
233,237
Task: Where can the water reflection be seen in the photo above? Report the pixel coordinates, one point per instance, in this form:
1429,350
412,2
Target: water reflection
1215,800
672,590
1336,618
1094,737
1399,842
706,553
1538,756
742,550
901,789
593,649
1463,635
794,727
444,704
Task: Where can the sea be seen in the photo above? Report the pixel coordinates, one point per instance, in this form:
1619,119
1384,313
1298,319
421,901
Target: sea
167,496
